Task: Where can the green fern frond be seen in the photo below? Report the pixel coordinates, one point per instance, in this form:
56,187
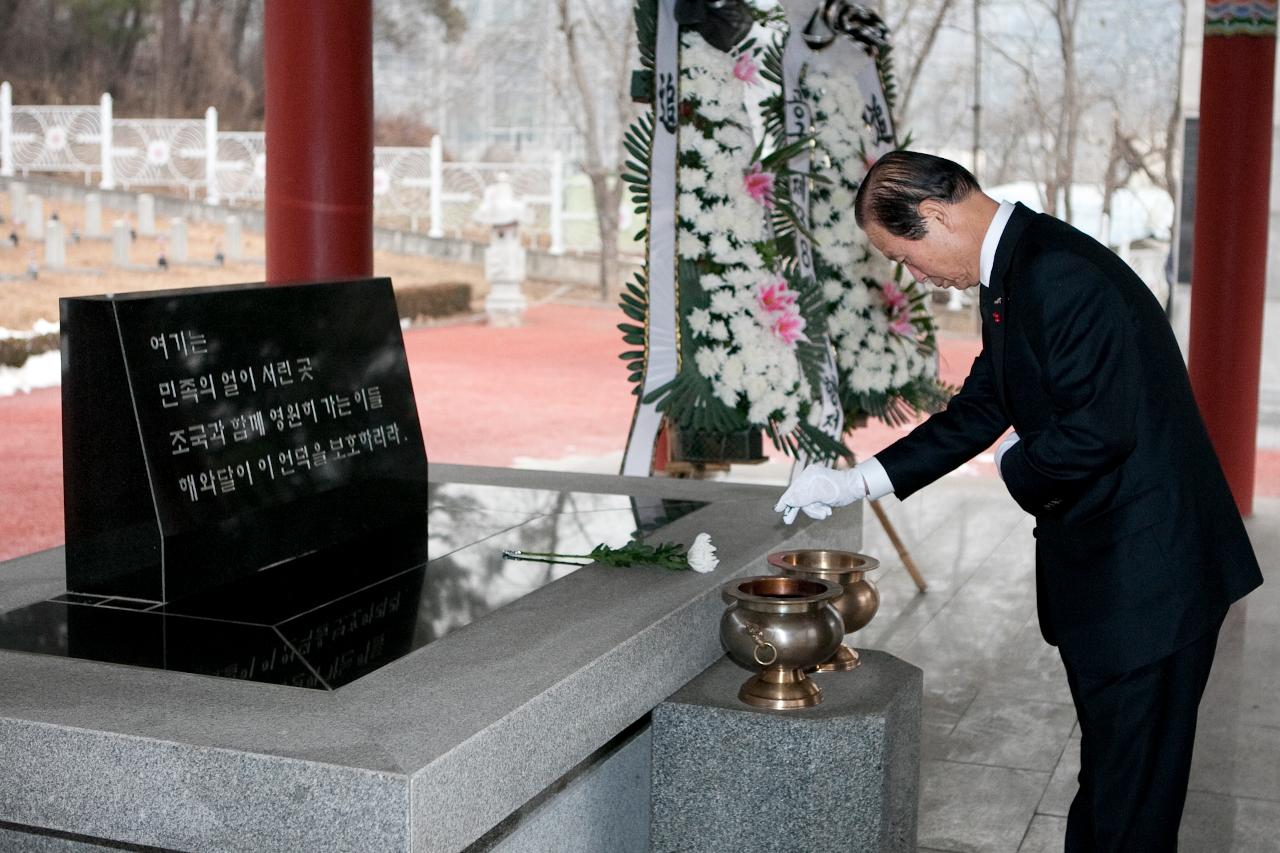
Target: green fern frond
646,13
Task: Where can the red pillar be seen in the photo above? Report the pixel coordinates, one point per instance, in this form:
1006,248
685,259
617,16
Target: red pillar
318,65
1228,277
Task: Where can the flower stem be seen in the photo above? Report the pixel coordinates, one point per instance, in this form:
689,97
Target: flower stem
546,557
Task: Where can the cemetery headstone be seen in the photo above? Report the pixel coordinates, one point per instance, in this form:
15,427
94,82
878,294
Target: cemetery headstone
177,240
17,201
121,241
209,433
93,215
35,217
146,215
55,250
234,249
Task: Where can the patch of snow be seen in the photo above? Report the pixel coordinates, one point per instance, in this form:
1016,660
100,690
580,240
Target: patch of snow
39,371
41,327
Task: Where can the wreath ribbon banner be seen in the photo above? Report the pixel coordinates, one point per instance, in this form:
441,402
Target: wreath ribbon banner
798,121
661,360
804,48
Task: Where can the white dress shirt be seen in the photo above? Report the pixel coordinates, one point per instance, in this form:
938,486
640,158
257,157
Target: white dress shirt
873,474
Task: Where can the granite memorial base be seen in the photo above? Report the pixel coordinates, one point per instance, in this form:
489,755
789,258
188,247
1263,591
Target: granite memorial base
842,776
515,714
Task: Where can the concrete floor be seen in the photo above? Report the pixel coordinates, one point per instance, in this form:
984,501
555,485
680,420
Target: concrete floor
1001,747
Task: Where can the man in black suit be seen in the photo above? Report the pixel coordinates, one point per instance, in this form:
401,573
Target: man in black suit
1139,545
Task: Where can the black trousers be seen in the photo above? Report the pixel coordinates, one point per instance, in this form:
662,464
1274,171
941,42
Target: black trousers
1137,730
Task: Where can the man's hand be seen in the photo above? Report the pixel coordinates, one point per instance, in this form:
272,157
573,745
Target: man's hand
1009,441
817,490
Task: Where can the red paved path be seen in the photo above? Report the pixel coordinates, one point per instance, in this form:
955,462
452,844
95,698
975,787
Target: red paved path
486,396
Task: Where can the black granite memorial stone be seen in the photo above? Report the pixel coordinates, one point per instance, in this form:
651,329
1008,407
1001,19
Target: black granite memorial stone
209,433
329,617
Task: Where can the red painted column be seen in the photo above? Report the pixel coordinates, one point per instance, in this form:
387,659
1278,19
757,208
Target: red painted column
318,64
1228,277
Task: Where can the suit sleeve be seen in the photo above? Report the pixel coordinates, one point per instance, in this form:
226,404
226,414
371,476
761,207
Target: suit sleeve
1079,328
972,420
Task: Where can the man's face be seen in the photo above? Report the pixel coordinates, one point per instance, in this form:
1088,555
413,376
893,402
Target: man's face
940,257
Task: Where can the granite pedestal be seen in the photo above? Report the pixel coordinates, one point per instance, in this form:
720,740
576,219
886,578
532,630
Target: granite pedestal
842,776
526,723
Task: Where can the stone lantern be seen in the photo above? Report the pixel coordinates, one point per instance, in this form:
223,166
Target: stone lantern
504,260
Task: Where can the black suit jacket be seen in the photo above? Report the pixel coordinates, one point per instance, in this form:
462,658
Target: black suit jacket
1140,548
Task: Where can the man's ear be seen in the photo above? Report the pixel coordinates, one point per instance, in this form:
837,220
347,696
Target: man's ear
934,212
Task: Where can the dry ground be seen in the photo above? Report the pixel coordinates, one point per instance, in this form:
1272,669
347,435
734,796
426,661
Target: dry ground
23,301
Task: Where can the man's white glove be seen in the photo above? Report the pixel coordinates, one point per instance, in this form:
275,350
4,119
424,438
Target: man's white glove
1009,441
818,490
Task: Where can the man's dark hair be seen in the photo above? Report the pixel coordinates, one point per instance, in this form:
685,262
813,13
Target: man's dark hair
895,185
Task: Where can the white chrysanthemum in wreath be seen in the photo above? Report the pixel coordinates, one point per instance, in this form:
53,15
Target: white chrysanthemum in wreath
870,320
745,338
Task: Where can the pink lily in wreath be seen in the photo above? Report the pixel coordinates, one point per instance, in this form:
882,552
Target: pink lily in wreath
895,299
789,327
903,326
899,305
759,184
775,297
778,302
746,70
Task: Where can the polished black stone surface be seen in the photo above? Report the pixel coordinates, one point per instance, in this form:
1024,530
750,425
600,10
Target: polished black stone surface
327,618
211,432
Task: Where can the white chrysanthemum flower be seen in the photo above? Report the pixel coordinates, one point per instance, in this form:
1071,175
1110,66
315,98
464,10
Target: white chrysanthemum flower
724,303
750,258
722,168
821,210
717,112
756,387
706,149
846,234
688,204
702,554
692,179
726,395
704,224
706,363
724,216
740,277
842,199
858,297
699,321
848,321
718,331
720,247
837,255
732,372
711,282
732,137
688,245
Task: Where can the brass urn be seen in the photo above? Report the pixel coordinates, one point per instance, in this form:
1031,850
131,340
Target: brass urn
783,626
858,603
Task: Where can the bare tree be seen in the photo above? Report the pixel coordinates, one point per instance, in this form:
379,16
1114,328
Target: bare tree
599,39
1065,15
915,26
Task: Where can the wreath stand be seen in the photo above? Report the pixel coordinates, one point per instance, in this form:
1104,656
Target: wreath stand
899,545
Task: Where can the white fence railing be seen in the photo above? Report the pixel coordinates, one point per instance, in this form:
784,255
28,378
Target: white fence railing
413,184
